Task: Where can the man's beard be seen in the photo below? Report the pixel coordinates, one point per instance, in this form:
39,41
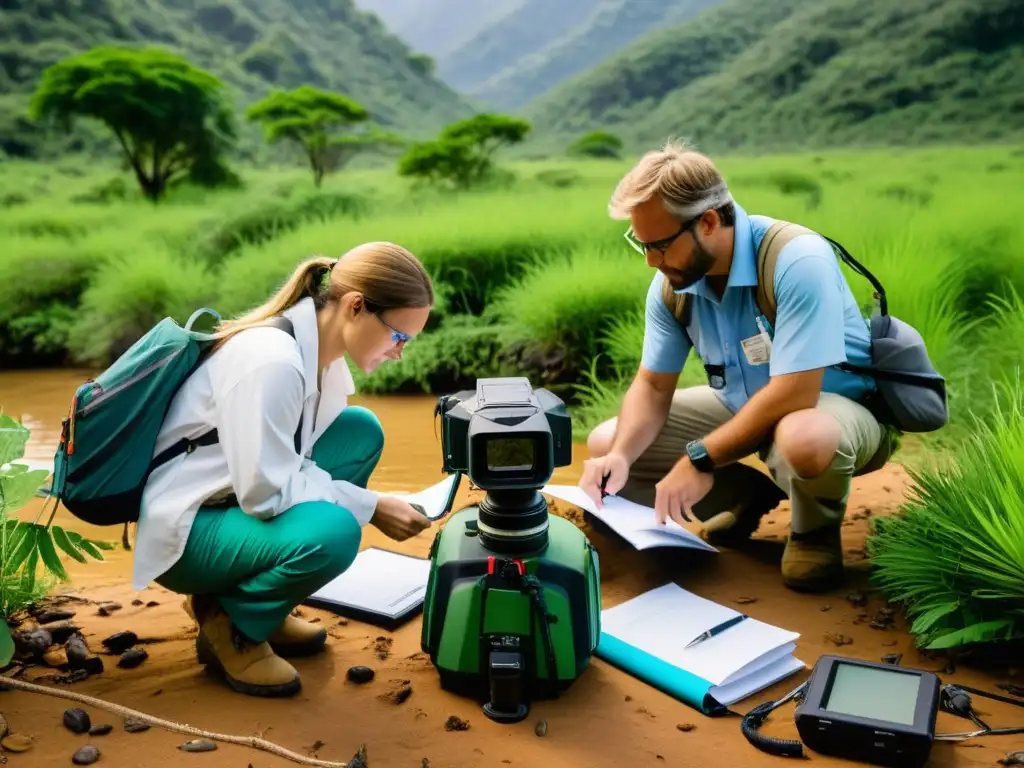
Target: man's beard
702,262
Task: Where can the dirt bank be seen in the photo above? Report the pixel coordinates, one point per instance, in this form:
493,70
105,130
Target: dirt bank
607,718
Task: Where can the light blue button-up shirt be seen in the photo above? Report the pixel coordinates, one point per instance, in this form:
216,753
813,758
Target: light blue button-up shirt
818,323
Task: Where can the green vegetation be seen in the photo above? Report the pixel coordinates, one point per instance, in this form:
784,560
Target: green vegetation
253,46
785,75
167,115
309,117
597,144
24,546
463,155
956,555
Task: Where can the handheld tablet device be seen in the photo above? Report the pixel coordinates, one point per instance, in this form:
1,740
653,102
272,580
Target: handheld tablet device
872,712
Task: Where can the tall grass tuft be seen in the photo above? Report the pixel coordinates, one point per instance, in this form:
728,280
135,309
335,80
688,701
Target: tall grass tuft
955,554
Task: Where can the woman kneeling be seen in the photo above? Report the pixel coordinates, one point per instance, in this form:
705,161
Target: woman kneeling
250,526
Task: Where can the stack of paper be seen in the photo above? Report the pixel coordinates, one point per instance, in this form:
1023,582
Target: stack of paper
633,522
380,587
647,636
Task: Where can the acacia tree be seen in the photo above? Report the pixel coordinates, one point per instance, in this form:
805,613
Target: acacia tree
464,152
166,113
312,118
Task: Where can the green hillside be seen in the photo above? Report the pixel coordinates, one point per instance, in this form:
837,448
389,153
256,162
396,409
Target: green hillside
527,28
789,74
254,45
438,27
614,25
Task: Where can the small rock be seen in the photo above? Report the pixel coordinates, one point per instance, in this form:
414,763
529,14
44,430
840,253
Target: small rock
101,729
60,631
108,608
32,642
152,604
360,675
120,642
424,763
359,759
56,657
950,668
892,658
455,723
15,742
382,647
685,727
135,726
1013,758
80,657
132,658
48,617
745,600
856,598
87,755
342,622
541,729
198,745
77,720
838,639
825,608
136,602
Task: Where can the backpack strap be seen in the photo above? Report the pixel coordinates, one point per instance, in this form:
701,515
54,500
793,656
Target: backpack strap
211,438
774,240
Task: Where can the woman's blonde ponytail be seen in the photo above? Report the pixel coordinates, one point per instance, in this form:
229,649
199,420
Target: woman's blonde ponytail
310,278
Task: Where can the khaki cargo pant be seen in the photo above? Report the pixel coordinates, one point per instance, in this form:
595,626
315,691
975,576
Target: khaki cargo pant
864,446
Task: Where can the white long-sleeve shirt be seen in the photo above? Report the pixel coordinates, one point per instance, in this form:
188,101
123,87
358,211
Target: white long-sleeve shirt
252,390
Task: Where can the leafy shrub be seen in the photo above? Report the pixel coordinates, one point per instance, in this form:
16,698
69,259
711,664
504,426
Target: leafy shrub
597,144
24,545
954,555
449,358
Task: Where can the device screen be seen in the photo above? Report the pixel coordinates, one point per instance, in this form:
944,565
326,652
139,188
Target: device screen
880,694
507,454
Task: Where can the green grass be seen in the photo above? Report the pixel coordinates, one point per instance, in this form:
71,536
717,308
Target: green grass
533,276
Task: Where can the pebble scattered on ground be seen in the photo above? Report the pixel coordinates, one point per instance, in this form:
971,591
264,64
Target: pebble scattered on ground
456,723
132,658
198,745
120,642
77,720
87,755
101,729
135,726
360,674
541,729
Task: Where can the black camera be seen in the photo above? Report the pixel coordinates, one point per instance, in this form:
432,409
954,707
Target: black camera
505,436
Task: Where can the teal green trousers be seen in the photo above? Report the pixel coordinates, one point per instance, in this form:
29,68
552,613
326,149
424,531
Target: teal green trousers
259,570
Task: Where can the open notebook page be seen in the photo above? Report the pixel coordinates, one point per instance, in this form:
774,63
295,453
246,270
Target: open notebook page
432,501
634,522
378,581
662,621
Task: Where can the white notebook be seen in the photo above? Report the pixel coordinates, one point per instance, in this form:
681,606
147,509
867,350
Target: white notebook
380,587
647,636
435,501
633,522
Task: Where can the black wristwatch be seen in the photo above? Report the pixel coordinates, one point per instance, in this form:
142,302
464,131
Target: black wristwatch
699,456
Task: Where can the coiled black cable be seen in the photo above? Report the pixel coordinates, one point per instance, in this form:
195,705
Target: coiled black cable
755,718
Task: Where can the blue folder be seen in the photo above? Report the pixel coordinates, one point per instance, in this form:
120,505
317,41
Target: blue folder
670,679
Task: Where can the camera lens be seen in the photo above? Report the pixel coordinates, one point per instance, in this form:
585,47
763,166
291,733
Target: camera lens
513,521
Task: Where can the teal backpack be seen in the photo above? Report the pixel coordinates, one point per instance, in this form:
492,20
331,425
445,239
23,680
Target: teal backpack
105,454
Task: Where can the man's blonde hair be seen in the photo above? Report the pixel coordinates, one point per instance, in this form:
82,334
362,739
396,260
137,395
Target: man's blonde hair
685,179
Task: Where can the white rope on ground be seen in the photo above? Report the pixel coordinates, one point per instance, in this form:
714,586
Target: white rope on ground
242,741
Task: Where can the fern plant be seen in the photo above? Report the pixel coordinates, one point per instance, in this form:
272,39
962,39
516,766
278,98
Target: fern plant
24,545
955,554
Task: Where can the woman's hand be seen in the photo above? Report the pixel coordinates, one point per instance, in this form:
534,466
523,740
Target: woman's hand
398,519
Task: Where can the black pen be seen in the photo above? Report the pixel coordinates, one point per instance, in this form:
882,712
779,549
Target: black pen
716,630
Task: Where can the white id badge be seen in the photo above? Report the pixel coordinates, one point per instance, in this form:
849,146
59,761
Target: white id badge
756,350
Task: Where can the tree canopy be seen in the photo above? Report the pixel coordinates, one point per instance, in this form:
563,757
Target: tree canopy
464,152
310,118
166,113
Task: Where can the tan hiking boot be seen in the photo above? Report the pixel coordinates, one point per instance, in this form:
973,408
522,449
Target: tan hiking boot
813,561
249,667
296,637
